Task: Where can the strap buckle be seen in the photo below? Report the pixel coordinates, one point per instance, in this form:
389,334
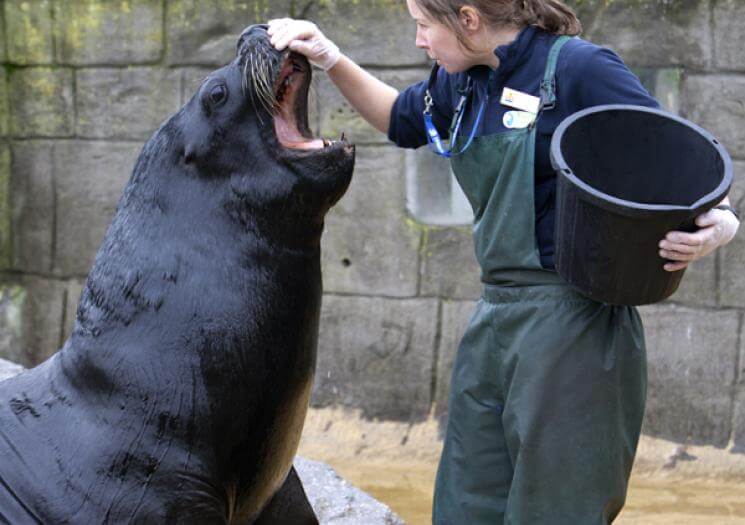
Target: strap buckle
548,94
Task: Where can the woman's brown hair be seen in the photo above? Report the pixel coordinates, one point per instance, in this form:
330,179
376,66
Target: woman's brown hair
552,16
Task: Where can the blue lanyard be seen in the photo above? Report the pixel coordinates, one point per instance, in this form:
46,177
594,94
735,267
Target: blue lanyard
433,136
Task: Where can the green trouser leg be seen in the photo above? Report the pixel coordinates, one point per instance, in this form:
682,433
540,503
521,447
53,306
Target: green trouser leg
545,411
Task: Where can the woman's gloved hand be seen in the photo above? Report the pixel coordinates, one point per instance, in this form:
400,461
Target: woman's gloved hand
305,38
718,227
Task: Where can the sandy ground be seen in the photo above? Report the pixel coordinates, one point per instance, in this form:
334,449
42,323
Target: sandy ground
396,462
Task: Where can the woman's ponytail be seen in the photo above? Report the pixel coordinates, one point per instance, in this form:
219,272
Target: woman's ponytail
550,15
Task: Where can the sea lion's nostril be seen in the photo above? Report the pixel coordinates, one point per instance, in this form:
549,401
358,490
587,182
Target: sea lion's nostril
250,29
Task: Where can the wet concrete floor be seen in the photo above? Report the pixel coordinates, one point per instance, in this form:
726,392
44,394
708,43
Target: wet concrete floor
395,462
407,489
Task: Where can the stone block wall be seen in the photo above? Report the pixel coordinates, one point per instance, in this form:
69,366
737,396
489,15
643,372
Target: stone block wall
85,82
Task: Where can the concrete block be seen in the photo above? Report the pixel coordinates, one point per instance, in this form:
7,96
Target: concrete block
376,355
9,369
12,299
729,34
717,104
699,284
335,501
29,32
6,254
90,179
191,79
664,84
41,102
31,319
449,267
738,421
125,103
32,190
732,256
201,32
635,32
369,246
337,115
4,108
72,297
93,32
692,356
3,52
375,32
455,317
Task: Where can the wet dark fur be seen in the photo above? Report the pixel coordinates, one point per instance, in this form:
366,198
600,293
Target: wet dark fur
180,396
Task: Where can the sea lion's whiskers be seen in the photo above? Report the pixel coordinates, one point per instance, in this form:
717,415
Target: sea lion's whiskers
266,90
259,83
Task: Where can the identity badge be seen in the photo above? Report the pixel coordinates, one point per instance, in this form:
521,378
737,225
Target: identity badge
517,99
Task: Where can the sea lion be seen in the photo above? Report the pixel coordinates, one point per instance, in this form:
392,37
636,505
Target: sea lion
181,393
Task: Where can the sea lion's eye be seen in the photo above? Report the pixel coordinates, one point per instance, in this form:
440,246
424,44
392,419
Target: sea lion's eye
218,94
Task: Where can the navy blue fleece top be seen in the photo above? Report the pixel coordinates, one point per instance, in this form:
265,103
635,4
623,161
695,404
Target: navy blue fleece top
586,75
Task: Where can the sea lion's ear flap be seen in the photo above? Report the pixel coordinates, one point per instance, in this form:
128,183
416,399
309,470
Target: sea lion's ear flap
189,153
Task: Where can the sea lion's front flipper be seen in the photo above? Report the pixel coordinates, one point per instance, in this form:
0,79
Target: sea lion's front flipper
289,505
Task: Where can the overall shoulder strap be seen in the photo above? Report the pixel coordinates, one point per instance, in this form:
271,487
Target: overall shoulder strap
548,84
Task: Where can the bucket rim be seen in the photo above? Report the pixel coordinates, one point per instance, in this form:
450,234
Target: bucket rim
560,165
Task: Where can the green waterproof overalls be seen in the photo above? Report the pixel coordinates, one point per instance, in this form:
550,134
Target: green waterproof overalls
548,386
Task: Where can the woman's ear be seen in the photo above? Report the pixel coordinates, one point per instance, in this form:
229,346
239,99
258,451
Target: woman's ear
469,18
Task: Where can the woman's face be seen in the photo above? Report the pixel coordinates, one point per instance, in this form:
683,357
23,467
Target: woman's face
439,41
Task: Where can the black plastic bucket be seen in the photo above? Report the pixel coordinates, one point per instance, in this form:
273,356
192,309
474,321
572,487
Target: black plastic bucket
627,175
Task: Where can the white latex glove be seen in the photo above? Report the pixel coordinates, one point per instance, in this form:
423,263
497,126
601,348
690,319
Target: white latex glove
305,38
718,227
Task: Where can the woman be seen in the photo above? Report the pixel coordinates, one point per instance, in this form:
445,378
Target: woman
548,386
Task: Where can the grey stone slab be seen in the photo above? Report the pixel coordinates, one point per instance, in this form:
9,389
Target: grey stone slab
94,32
729,34
715,102
201,32
653,34
191,79
72,298
90,178
9,369
664,84
738,421
12,299
335,501
30,319
732,256
41,102
455,317
125,103
5,207
32,205
374,32
699,283
3,52
376,355
692,354
369,246
4,109
29,32
449,267
337,115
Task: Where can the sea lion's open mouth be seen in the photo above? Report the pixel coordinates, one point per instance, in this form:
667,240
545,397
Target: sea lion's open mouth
291,107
